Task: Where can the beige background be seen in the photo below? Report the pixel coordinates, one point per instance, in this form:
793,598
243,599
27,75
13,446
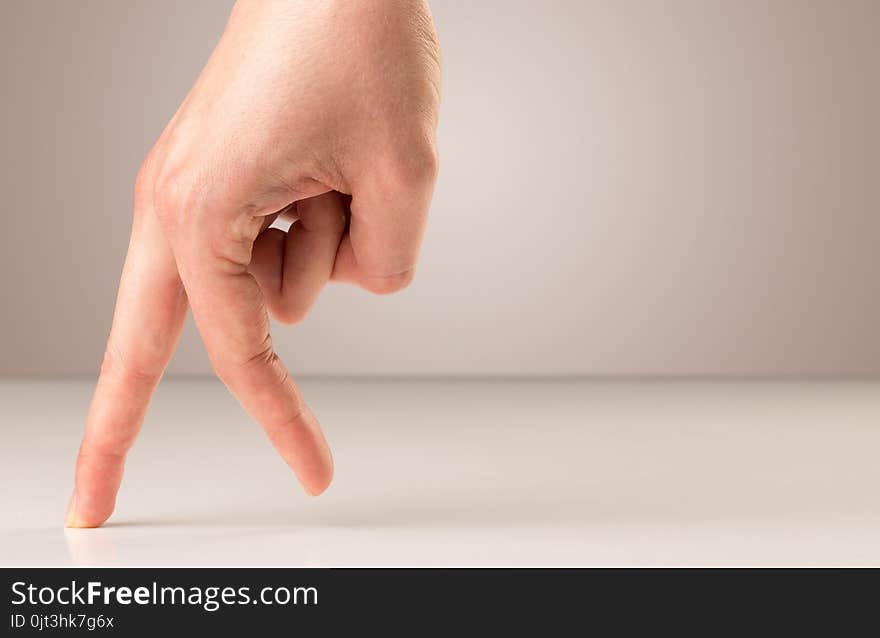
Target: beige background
681,187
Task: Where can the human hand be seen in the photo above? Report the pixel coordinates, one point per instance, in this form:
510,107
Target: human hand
324,109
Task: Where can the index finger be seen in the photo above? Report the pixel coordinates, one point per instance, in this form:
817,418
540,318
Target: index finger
150,309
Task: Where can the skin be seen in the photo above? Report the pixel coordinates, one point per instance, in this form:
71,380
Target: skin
323,109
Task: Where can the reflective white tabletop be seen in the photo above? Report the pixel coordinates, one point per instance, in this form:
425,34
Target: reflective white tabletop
465,472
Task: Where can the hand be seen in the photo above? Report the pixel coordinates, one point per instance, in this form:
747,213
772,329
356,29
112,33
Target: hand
325,109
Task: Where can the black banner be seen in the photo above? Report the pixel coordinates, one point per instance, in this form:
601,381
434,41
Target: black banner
147,601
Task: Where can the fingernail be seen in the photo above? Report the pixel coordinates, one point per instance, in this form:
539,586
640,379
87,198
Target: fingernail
70,517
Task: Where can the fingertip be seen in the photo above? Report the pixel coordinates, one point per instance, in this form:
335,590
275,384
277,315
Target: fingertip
306,451
78,517
97,483
319,483
314,468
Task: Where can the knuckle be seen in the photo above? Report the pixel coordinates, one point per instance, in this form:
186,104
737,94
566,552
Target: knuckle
103,448
413,166
171,191
129,370
145,182
143,186
255,373
246,362
167,198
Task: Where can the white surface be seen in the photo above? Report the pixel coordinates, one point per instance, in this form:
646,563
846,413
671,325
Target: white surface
466,472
